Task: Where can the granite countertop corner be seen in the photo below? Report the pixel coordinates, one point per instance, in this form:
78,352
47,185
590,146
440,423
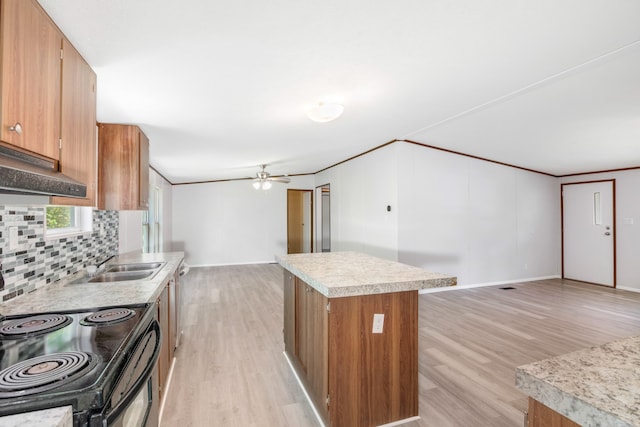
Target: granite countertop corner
598,386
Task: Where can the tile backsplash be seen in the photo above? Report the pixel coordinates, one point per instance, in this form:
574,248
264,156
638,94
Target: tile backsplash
36,262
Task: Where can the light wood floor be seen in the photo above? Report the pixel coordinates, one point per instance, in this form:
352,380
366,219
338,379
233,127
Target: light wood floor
230,369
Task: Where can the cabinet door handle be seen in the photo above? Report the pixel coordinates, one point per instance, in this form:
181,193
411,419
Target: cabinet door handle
17,128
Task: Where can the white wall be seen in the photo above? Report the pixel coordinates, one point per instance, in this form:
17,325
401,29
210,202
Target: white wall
130,231
480,221
483,222
627,235
230,222
361,190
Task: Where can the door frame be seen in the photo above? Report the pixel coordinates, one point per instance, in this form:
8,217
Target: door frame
613,219
319,216
311,228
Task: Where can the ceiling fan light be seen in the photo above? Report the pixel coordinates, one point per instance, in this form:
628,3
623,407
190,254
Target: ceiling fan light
266,185
256,185
323,113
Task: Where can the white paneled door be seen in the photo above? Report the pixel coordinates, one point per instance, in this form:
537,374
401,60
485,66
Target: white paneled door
588,232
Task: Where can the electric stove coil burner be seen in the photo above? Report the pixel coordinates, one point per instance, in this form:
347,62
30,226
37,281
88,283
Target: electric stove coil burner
43,373
108,316
33,325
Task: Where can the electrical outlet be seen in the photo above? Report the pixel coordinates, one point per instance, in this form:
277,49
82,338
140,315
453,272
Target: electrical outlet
378,323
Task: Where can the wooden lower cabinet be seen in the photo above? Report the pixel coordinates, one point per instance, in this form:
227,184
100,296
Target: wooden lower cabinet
354,377
168,315
311,338
540,415
164,361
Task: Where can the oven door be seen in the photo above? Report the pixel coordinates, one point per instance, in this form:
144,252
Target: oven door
132,401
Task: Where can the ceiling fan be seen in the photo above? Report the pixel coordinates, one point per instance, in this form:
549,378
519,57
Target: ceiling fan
264,179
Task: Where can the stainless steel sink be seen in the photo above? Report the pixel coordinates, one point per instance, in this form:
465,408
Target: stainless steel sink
123,272
121,276
141,266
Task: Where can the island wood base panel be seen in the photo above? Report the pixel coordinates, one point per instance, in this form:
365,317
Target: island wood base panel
355,378
541,415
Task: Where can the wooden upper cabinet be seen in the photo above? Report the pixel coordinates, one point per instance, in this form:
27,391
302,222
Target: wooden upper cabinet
123,167
31,75
78,155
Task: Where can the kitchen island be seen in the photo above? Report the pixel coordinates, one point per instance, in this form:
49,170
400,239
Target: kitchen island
351,334
598,386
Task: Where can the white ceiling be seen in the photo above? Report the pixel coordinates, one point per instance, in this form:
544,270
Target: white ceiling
221,87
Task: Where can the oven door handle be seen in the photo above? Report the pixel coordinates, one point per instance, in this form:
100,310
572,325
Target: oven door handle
141,381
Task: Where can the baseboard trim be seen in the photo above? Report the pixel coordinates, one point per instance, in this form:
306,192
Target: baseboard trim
304,390
482,285
164,398
627,288
400,422
231,263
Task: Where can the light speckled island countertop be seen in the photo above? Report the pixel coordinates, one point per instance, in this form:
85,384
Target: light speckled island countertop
62,295
345,274
598,386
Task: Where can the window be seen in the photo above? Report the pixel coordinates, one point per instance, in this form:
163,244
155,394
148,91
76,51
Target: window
67,220
151,222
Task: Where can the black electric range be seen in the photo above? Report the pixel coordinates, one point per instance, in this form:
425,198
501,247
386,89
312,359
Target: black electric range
93,360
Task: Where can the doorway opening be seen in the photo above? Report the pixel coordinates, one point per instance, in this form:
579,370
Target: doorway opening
299,221
323,218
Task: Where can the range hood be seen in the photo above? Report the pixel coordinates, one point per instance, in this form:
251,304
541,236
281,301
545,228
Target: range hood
21,173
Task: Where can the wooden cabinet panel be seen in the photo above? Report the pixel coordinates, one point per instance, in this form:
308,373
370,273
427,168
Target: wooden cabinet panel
173,317
373,378
540,415
370,378
168,314
123,167
31,76
313,351
164,361
78,156
143,170
310,349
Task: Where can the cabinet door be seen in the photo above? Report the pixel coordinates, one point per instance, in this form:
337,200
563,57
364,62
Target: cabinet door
162,305
143,171
78,155
173,325
123,172
312,340
31,69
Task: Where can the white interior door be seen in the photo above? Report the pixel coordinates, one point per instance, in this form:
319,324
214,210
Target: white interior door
588,232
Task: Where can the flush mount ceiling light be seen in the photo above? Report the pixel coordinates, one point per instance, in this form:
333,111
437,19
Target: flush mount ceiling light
325,112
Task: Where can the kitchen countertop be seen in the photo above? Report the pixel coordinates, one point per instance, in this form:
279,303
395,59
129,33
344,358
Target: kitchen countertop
54,417
345,274
599,386
62,295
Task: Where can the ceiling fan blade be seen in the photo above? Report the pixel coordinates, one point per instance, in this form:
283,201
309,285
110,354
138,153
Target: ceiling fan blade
282,179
